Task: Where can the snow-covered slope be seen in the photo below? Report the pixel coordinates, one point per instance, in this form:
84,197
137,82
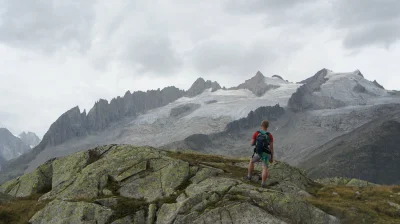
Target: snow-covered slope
324,106
351,88
331,90
234,104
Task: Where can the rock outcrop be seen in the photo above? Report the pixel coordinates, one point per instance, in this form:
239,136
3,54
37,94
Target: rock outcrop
257,85
378,85
59,211
154,186
200,85
75,124
341,181
36,182
183,110
10,146
30,139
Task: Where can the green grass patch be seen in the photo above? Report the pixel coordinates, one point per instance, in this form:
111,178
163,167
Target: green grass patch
371,205
21,210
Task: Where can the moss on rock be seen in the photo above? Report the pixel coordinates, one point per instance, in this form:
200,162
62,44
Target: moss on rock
60,212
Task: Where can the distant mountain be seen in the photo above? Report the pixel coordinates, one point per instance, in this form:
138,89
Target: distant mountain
200,85
10,146
259,84
217,120
330,90
2,161
371,152
234,140
30,139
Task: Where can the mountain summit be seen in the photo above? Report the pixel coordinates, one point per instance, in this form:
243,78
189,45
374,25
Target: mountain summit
257,84
30,139
200,85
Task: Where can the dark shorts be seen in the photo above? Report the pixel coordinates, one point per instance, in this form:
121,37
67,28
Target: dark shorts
264,159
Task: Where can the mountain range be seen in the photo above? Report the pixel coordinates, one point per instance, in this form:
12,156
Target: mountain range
12,147
207,118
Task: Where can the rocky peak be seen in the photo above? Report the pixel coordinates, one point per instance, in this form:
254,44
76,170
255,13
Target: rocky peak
378,85
277,76
200,85
30,139
10,146
321,74
358,72
304,99
74,124
256,84
259,76
70,124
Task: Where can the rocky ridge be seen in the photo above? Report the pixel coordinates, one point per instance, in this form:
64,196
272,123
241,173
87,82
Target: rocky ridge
30,139
200,85
303,99
10,146
126,184
257,85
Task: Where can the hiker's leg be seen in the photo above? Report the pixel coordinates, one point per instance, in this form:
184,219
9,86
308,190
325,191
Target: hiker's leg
265,160
264,173
251,168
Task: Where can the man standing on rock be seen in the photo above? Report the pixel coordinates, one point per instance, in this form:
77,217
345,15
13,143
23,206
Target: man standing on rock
263,151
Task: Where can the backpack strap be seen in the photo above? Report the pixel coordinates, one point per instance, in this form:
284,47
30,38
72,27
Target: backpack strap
259,132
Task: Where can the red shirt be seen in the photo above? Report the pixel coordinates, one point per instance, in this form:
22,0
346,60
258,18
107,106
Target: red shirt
271,138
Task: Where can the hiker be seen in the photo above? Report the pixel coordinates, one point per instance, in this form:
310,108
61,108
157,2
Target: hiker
263,151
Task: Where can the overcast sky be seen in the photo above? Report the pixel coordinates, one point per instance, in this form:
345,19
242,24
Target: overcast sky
56,54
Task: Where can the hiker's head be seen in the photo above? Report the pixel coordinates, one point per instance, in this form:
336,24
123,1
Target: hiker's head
264,125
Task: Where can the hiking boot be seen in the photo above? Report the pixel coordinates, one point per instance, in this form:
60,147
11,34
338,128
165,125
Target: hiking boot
269,183
247,178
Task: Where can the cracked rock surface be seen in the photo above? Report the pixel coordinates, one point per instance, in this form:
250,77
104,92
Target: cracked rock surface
147,185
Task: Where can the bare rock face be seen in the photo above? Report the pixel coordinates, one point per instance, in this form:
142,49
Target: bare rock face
378,85
30,139
257,85
74,124
71,124
200,85
183,110
368,148
303,98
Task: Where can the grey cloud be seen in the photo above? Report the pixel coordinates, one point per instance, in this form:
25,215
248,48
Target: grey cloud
47,25
152,53
363,22
257,6
367,22
230,57
282,14
382,34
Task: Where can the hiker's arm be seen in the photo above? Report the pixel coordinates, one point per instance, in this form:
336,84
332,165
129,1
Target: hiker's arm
271,148
253,139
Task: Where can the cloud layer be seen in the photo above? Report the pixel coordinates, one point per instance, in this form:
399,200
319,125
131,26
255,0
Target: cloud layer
57,54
